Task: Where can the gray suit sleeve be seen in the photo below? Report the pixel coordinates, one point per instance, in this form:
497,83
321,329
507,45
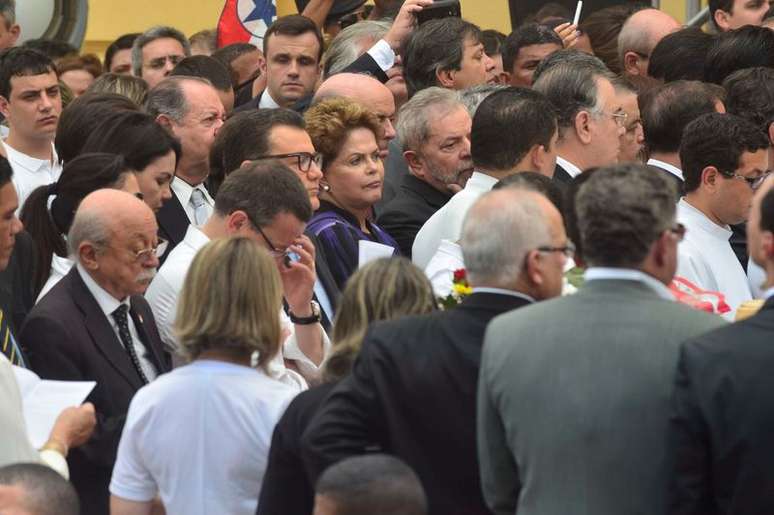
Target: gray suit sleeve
499,471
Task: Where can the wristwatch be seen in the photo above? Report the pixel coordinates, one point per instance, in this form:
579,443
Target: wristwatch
313,319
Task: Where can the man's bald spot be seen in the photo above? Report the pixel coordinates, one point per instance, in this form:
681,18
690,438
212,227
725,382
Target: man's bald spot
118,210
653,22
351,85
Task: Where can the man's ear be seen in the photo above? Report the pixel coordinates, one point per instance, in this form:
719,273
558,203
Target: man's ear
771,133
445,78
15,31
710,177
721,19
4,106
236,221
87,255
166,122
504,78
538,157
532,268
631,59
414,163
582,127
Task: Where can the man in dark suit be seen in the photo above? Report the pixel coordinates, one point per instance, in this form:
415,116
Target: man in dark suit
589,130
720,432
665,111
573,396
96,326
412,389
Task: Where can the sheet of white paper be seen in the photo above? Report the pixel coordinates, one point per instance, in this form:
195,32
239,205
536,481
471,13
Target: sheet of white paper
44,400
370,250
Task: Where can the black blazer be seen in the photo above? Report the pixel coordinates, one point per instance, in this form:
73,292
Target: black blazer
395,169
16,293
562,176
679,183
412,391
723,421
409,210
173,224
70,339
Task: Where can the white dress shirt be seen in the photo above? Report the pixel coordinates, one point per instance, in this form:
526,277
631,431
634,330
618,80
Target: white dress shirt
706,259
267,102
183,191
446,223
757,278
666,166
30,172
108,304
199,438
628,274
164,290
570,168
60,267
768,293
440,269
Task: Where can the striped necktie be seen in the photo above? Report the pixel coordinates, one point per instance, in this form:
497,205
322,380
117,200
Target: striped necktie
9,346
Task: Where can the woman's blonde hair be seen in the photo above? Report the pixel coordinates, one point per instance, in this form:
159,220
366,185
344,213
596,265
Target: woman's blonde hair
133,88
384,289
230,302
330,122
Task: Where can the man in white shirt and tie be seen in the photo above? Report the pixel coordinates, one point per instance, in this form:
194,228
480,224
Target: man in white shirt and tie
31,103
190,109
725,158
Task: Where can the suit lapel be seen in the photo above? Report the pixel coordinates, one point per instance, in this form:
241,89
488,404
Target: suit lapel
493,303
173,221
101,331
150,345
561,175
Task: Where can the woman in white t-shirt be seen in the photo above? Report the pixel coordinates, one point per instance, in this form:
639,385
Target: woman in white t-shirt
198,437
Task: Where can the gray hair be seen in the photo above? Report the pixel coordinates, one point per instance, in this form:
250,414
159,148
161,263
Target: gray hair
168,97
472,97
498,232
88,225
8,12
572,88
621,211
350,44
570,56
632,38
413,126
152,34
45,491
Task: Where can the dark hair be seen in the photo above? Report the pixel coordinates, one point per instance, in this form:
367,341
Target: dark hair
134,135
494,145
536,181
717,140
373,483
493,41
21,62
667,109
45,491
526,35
621,211
82,116
81,176
723,5
124,42
603,27
569,214
245,136
53,48
6,171
750,94
263,190
568,56
746,47
680,55
767,212
550,11
293,25
229,53
206,67
435,46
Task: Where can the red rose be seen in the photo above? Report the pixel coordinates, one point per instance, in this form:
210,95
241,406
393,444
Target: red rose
460,275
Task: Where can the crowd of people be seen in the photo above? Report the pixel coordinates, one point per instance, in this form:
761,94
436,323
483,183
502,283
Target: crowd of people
378,266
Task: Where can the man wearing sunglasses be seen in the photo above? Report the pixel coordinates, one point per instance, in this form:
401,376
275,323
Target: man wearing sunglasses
95,325
725,159
157,51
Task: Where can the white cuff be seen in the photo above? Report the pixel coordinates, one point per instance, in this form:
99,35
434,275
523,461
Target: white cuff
55,461
383,55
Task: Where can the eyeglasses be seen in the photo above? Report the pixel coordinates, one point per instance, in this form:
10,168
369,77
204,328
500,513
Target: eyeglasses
679,231
157,251
568,250
753,182
159,62
274,251
305,159
620,118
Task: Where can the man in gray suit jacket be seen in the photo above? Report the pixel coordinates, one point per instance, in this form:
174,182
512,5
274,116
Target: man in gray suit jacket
573,397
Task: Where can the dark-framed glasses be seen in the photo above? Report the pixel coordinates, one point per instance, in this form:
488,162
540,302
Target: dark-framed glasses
305,159
273,250
568,250
753,182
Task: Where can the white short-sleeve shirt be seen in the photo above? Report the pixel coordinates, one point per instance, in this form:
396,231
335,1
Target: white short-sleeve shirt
199,438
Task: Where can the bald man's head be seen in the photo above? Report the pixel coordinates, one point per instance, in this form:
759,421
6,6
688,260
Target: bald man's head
367,91
639,36
113,237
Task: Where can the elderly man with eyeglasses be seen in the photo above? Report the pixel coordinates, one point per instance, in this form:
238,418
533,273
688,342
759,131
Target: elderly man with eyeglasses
724,159
95,325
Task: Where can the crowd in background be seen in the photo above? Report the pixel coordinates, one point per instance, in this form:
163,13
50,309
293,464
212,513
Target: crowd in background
380,266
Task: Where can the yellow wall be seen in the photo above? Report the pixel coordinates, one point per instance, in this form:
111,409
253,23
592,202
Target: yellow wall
109,19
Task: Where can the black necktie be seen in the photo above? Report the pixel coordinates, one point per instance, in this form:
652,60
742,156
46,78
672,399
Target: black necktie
119,315
9,346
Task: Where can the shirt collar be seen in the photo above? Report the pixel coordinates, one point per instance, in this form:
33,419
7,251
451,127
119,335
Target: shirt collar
693,218
29,163
768,293
570,168
195,238
107,303
480,181
502,291
267,102
629,274
183,191
666,166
